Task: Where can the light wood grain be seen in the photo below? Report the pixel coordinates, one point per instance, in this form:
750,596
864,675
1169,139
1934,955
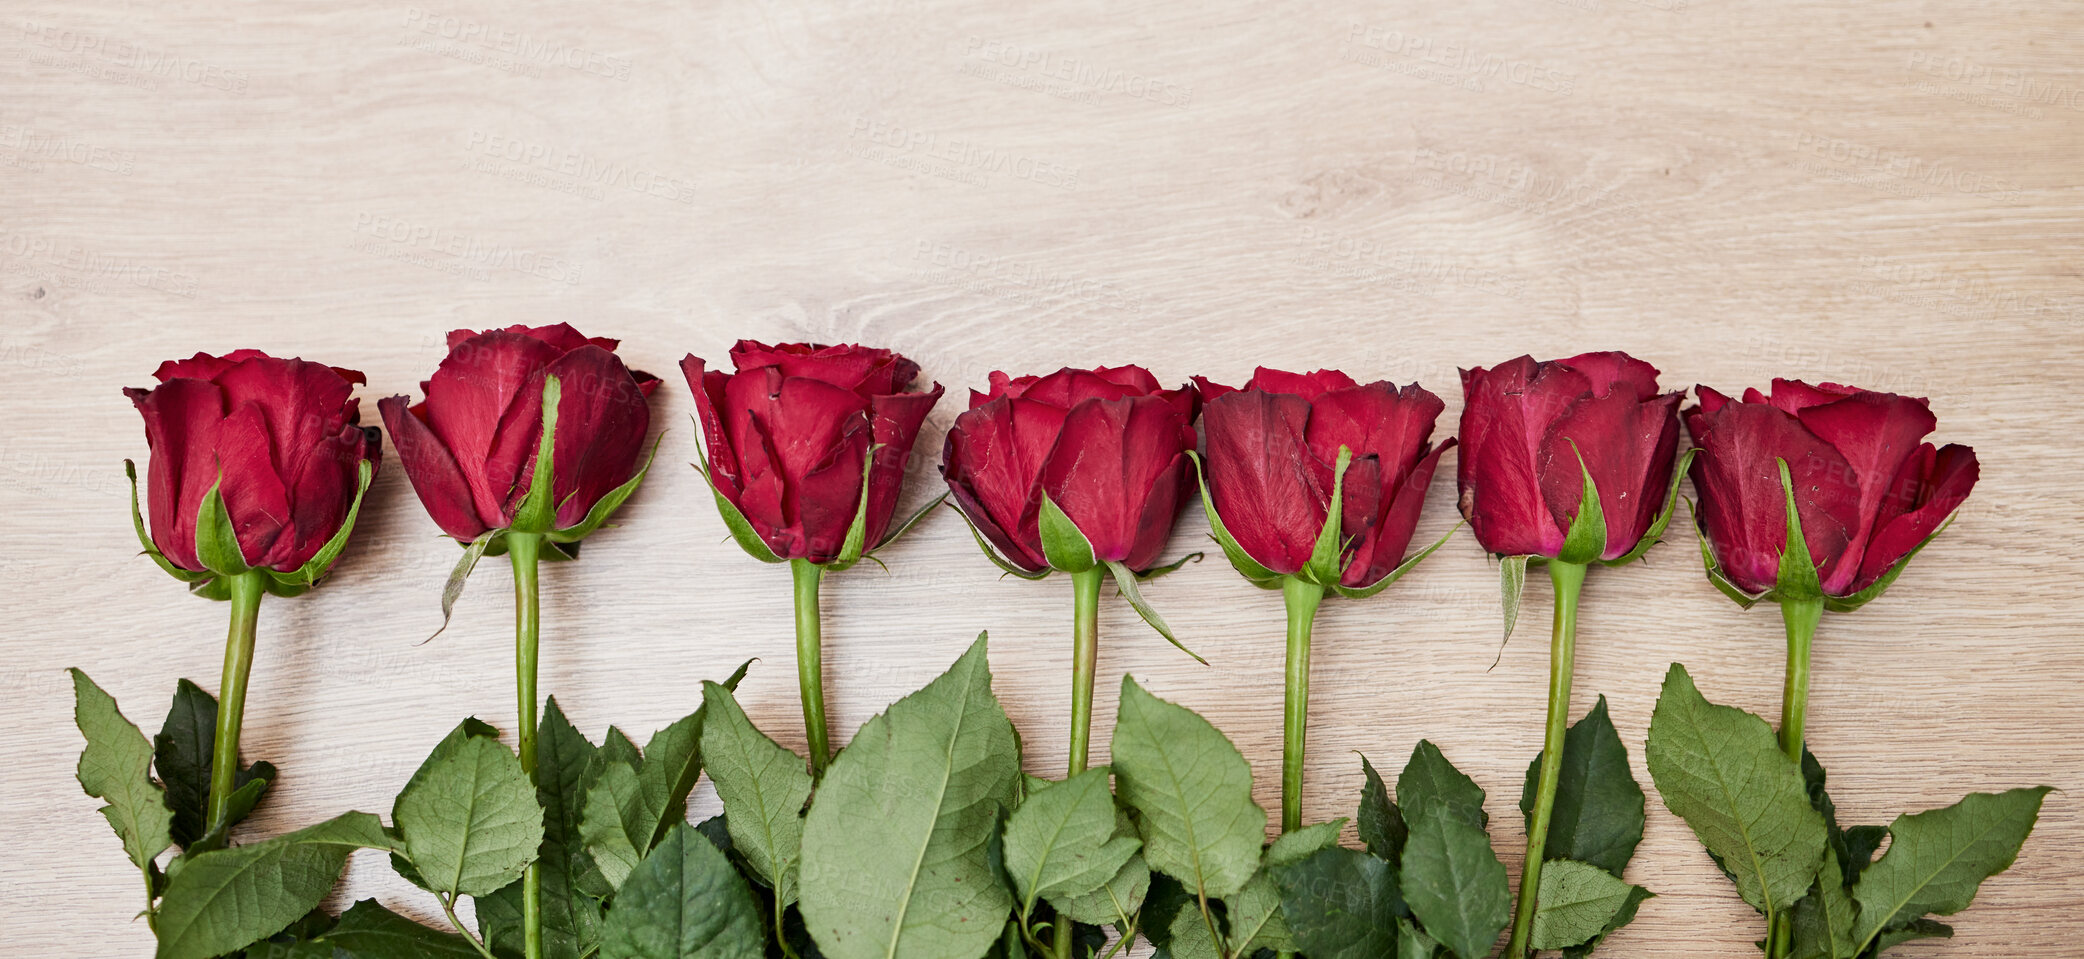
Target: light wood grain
1884,193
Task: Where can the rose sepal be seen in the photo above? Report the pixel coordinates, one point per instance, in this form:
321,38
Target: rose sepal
1064,545
604,507
992,554
1585,541
137,520
1363,592
1324,568
308,575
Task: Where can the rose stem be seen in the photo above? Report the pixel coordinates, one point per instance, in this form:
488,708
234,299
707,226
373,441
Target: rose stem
1302,597
810,662
1568,578
1085,659
1801,617
523,549
231,692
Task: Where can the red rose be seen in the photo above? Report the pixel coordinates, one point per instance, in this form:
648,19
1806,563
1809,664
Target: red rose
1867,491
1527,427
789,438
1107,446
276,439
1273,452
470,446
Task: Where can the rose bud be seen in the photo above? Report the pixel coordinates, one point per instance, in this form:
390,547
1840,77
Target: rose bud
471,447
1845,467
1287,447
257,463
1072,471
1541,441
807,446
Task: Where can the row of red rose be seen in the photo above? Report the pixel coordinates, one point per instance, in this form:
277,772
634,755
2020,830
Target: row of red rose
1812,496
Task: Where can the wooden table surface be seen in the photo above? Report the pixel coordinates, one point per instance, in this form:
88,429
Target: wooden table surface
1883,193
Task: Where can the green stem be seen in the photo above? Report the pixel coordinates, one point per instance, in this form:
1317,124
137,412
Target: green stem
1085,660
1801,617
448,908
231,692
1569,580
523,550
810,663
1301,597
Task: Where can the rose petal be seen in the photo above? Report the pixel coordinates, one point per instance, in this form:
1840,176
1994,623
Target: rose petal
431,470
1259,475
1875,433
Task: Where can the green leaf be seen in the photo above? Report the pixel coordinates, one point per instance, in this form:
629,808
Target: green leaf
1721,769
1255,911
742,531
1380,822
672,763
1341,904
1823,920
613,827
1512,583
1063,544
1239,559
1919,929
137,520
1598,815
245,795
895,847
1575,903
470,728
1452,880
571,918
469,819
1655,533
763,787
1413,943
369,931
1323,566
116,768
182,752
220,901
1061,841
1120,897
1191,937
1125,583
1191,791
1585,540
453,589
1637,895
1936,859
216,539
992,554
1363,592
684,902
606,505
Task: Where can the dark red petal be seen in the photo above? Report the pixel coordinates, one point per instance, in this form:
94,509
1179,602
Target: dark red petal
996,462
1309,386
319,496
955,471
708,388
431,470
804,423
562,337
1160,510
1628,446
1136,378
1710,399
1742,505
764,493
1068,387
203,366
182,417
1610,369
472,405
1794,396
1260,478
1875,433
646,383
253,492
1375,420
302,404
895,421
1939,489
1210,389
1382,549
1505,416
825,499
601,420
1108,460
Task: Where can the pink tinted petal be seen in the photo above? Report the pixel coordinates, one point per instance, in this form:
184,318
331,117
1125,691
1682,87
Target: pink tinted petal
470,397
601,420
1607,370
253,492
431,470
182,417
1382,549
895,421
1940,489
1875,433
1259,475
1107,462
